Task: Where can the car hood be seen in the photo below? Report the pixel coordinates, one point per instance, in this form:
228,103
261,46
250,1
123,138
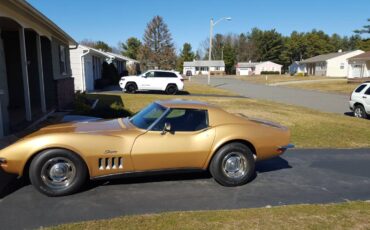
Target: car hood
85,127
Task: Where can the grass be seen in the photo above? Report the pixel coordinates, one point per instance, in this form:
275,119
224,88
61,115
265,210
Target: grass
350,215
334,86
310,128
271,79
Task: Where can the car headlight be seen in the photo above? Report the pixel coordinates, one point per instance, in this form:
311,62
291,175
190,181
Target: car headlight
122,78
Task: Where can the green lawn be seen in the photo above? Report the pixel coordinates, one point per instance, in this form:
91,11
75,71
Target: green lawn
350,215
310,128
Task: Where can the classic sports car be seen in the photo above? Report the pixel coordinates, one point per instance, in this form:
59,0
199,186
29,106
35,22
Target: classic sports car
166,135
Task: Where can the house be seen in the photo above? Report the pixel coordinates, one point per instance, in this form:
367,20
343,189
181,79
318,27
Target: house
35,73
297,68
330,65
86,65
200,67
359,66
255,68
131,65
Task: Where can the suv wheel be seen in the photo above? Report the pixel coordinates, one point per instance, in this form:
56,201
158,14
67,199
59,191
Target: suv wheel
171,89
360,112
131,88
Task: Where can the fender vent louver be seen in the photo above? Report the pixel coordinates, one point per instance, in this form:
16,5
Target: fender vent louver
110,163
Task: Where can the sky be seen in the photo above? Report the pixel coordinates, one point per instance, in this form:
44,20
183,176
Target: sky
113,21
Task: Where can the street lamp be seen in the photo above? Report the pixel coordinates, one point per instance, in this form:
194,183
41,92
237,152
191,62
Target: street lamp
212,24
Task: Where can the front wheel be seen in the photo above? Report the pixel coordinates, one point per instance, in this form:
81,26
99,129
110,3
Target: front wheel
233,165
57,172
131,88
360,112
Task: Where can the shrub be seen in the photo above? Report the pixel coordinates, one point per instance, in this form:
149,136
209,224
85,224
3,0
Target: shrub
270,72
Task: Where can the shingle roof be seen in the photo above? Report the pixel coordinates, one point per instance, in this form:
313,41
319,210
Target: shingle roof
363,56
252,64
324,57
122,57
199,63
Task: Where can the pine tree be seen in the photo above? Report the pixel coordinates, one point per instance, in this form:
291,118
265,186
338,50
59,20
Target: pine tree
158,50
131,47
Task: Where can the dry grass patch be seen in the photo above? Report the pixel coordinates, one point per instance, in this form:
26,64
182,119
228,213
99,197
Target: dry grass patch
334,86
271,79
351,215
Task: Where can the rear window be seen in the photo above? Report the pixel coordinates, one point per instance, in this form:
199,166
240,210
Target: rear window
360,88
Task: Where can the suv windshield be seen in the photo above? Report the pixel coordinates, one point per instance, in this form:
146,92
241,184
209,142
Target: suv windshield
146,117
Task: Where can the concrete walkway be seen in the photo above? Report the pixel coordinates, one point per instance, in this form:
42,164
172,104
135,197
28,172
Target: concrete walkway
325,102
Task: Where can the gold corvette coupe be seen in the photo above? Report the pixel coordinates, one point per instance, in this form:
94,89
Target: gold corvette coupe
166,135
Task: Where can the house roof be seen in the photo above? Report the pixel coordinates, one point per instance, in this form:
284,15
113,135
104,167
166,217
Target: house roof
45,21
324,57
204,63
122,57
100,52
363,56
252,64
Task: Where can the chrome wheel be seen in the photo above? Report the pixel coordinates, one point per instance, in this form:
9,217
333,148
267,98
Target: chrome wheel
358,112
58,173
234,165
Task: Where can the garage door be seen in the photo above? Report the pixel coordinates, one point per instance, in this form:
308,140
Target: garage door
244,71
356,70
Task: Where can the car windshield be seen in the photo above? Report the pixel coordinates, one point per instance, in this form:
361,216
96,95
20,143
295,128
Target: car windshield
146,117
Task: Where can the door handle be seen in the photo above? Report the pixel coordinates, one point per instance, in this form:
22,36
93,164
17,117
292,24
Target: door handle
364,97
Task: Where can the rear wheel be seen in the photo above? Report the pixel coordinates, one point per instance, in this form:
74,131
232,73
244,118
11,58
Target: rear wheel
131,87
360,112
171,89
57,172
233,165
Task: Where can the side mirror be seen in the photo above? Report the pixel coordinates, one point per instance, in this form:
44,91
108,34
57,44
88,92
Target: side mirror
166,128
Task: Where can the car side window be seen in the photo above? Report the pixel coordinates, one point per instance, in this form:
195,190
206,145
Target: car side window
149,74
184,120
158,74
360,88
367,92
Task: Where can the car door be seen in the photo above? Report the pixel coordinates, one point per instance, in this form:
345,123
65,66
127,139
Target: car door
187,145
366,98
146,80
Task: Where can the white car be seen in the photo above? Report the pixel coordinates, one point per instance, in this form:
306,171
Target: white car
360,101
162,80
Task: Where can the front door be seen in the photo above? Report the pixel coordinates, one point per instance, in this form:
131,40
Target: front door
186,145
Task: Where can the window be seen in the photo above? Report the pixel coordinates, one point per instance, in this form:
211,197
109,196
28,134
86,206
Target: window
149,74
62,60
217,68
164,74
184,120
367,92
204,68
146,117
360,88
341,65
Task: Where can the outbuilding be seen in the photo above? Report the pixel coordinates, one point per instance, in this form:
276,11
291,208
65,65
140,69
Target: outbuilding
331,64
359,66
201,67
256,68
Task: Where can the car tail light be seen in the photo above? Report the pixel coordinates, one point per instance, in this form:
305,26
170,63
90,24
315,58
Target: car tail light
181,79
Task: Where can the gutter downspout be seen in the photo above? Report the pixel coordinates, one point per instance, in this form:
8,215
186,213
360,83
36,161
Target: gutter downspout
83,78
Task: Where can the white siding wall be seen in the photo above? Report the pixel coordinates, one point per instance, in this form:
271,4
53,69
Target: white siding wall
338,67
202,72
75,56
267,66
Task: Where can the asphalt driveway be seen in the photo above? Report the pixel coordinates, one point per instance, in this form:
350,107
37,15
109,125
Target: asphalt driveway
326,102
299,176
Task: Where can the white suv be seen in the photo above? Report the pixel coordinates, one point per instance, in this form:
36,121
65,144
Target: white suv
169,81
360,101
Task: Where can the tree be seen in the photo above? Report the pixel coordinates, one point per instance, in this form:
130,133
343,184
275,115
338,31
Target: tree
229,58
364,30
186,54
269,44
158,50
131,47
100,45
